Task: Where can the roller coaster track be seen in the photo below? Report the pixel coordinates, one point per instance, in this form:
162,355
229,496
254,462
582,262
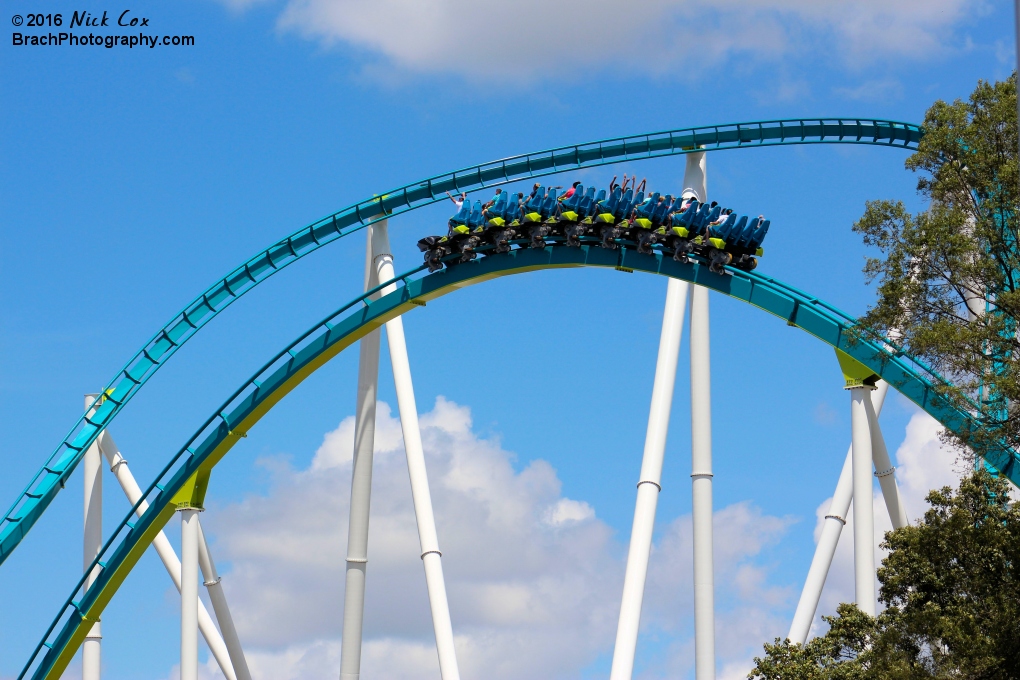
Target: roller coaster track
50,478
313,349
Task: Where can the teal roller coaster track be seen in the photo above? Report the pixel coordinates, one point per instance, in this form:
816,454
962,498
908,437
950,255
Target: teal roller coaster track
354,320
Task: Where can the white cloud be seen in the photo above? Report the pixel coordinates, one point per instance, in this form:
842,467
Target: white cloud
825,414
534,578
873,90
337,448
551,39
745,600
924,463
567,511
206,671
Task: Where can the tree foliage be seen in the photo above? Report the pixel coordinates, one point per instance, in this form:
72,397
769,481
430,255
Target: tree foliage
951,590
949,277
949,294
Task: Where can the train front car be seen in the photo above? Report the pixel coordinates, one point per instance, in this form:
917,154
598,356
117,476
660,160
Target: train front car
736,242
462,238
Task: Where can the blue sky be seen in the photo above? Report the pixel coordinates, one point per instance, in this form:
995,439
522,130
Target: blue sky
133,178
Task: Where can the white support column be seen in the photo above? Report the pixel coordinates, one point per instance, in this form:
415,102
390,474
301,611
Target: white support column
189,593
430,554
701,474
696,182
829,538
361,485
92,465
214,586
649,484
167,555
864,510
885,470
824,552
695,176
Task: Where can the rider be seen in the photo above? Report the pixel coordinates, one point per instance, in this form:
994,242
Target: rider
723,216
492,202
569,192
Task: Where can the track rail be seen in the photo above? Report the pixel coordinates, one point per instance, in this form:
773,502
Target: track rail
50,478
250,402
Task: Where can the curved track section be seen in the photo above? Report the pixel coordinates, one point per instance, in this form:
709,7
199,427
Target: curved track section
48,481
353,321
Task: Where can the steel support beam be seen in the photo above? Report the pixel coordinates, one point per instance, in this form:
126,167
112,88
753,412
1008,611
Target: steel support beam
361,485
649,484
189,593
165,551
430,554
93,544
214,586
696,182
829,539
701,476
863,494
885,470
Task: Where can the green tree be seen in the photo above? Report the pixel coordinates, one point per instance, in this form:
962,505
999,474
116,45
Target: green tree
949,277
951,590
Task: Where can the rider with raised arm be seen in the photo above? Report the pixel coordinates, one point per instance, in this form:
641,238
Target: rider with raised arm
457,200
